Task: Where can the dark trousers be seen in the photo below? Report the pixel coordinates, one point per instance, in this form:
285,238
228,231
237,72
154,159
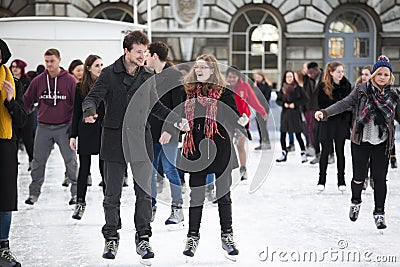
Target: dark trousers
262,129
327,147
113,179
84,170
26,133
298,137
197,183
379,160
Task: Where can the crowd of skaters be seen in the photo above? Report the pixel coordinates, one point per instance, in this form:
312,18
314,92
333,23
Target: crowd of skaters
57,106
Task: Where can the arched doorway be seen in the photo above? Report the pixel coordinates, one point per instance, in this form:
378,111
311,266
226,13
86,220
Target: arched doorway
350,39
255,42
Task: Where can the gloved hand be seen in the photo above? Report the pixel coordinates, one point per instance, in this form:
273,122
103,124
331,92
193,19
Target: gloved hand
244,120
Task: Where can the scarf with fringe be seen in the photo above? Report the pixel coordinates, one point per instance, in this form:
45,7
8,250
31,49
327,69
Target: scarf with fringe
210,124
5,117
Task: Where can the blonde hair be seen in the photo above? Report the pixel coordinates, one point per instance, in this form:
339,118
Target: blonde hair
391,80
216,81
265,78
328,80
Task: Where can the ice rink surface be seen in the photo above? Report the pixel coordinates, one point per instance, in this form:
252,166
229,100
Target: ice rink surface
284,223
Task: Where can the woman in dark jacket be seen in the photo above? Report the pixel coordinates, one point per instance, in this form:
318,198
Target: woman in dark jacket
88,134
377,104
291,97
12,115
334,87
207,147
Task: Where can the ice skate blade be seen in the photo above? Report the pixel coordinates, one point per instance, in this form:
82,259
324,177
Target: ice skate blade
175,227
231,257
187,259
145,262
381,231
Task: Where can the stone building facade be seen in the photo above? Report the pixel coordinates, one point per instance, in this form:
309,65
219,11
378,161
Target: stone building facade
273,35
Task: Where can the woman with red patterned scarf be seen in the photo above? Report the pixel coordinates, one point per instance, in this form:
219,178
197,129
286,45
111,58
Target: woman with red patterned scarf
207,147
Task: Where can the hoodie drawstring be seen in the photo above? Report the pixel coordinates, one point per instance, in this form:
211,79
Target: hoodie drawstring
55,89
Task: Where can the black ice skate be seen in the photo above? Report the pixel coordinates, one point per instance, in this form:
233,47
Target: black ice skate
79,210
192,242
175,220
354,211
380,220
143,249
243,173
111,247
31,200
229,245
7,259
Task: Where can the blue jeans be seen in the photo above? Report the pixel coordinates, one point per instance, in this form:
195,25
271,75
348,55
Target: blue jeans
210,179
5,223
168,154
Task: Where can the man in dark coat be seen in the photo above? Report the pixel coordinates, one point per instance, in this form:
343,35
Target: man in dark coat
120,87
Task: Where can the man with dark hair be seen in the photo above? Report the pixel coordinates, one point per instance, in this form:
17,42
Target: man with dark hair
171,94
116,86
54,90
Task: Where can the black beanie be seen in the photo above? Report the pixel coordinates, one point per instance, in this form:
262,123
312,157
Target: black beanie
5,52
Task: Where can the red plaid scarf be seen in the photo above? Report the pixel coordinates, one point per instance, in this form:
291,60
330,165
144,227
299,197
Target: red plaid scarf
210,123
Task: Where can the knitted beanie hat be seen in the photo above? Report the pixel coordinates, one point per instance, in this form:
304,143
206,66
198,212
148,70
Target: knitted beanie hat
383,61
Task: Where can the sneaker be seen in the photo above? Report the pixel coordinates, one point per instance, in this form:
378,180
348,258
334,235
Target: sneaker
320,187
192,242
175,219
342,188
89,180
380,220
393,162
331,159
153,213
303,157
283,157
72,201
79,210
243,173
316,159
291,148
31,200
66,181
143,248
111,247
228,244
354,211
125,184
7,259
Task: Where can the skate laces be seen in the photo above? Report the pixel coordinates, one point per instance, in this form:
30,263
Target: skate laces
228,240
144,245
379,218
192,243
111,245
7,255
355,208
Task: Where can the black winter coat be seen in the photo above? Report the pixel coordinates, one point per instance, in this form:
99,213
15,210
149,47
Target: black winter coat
116,88
89,135
8,153
292,119
337,126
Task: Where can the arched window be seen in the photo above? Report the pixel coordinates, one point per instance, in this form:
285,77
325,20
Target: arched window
255,41
350,39
116,11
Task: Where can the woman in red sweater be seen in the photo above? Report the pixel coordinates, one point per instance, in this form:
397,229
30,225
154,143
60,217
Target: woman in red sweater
244,96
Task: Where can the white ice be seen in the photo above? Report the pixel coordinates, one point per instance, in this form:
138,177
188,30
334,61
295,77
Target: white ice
284,219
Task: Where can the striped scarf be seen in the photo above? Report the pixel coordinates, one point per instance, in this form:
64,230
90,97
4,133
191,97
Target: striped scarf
210,123
5,118
379,107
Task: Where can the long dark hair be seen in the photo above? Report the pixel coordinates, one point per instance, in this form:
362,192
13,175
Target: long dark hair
87,81
288,88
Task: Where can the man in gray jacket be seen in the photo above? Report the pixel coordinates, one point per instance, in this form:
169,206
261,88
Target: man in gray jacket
120,87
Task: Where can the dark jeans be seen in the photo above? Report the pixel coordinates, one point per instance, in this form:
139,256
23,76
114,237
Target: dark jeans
84,170
113,178
197,182
327,147
375,155
298,137
5,223
27,135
